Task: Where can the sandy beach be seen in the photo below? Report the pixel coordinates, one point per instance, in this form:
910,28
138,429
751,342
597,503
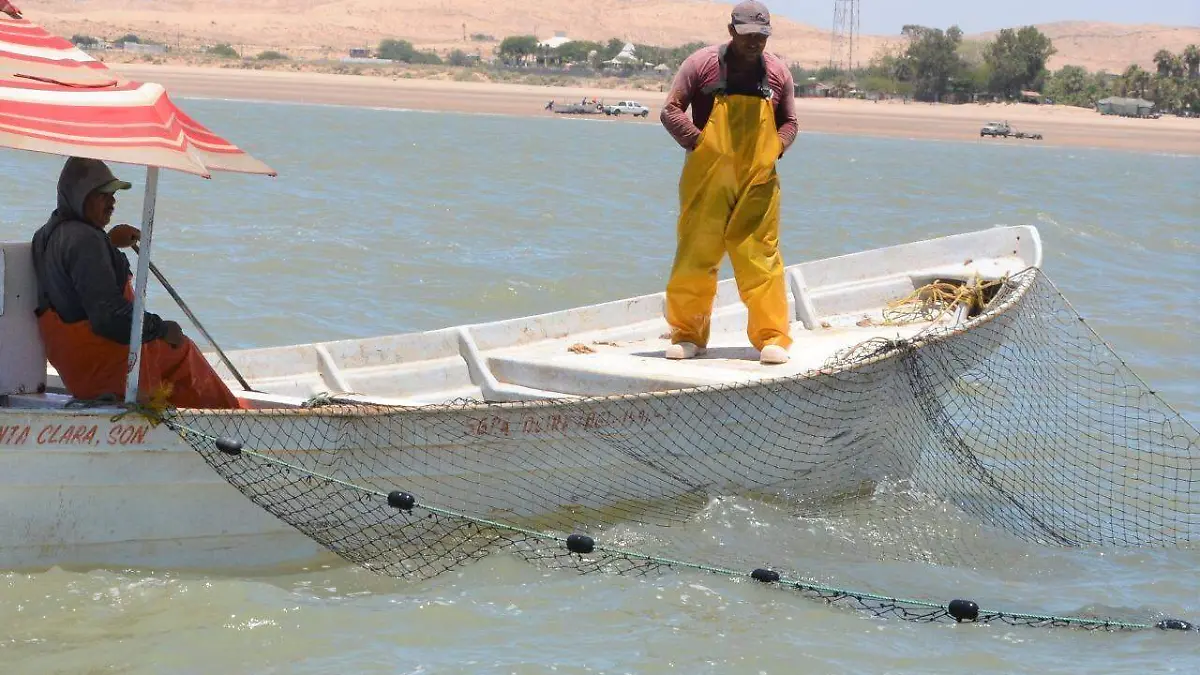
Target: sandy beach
1060,125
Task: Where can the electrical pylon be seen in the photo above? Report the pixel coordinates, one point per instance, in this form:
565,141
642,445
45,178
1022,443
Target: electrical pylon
845,35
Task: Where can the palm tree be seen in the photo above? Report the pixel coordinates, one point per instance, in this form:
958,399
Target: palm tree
1134,81
1167,95
1162,60
1177,65
1142,82
1190,97
1191,58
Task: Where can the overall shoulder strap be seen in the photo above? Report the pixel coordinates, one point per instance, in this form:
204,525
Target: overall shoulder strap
721,85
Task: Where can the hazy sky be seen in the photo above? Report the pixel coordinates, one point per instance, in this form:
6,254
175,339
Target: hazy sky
885,17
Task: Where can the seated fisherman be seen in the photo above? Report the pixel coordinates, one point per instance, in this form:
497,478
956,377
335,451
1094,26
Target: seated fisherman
85,302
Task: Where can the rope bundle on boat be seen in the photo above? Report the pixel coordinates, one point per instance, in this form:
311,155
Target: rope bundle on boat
1005,465
933,300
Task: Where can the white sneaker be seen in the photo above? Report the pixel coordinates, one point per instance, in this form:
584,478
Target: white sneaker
773,355
684,350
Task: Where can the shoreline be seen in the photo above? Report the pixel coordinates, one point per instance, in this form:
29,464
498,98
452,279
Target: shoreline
1061,126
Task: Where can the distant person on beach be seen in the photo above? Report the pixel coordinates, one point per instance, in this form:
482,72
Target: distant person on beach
85,302
743,119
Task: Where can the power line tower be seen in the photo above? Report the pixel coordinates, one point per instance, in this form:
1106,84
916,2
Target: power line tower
845,34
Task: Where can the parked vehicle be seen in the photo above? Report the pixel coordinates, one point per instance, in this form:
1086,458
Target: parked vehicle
995,129
627,108
1004,130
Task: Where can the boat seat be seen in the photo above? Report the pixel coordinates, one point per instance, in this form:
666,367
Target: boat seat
22,356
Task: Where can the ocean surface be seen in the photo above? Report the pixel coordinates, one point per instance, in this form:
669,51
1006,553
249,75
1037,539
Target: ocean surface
392,221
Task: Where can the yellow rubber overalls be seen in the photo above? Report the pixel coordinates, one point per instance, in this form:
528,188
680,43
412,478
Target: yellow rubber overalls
729,203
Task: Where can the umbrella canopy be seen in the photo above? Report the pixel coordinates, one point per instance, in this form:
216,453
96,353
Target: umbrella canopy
55,98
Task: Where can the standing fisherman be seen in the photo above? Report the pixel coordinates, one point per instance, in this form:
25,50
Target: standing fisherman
743,119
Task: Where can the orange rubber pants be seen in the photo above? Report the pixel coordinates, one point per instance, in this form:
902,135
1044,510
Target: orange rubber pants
729,203
91,366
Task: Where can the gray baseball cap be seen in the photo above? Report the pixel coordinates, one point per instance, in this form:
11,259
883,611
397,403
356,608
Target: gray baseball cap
79,178
751,17
91,174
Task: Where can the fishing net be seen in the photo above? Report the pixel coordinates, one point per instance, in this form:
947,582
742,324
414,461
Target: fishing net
1002,467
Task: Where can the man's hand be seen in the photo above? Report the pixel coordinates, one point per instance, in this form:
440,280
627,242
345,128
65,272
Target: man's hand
124,235
174,336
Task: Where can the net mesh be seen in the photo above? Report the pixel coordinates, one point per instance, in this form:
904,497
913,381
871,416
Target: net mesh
1021,448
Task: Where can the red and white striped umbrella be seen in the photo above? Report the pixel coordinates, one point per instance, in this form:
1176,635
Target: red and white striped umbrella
55,98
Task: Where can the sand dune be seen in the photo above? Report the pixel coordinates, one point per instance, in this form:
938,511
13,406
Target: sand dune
316,27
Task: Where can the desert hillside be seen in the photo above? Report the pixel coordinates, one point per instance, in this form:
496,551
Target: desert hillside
315,27
1112,47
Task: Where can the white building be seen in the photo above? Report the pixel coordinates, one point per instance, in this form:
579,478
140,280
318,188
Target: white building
626,57
560,38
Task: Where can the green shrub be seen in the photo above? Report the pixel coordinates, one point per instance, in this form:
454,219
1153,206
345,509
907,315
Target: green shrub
224,51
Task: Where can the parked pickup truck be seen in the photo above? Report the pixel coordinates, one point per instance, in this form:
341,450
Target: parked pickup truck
1003,130
627,108
995,129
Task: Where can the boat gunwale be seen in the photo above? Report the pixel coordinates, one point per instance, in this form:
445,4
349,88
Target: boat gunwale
926,337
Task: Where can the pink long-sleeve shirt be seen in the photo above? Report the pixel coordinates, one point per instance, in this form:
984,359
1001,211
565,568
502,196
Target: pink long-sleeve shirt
701,70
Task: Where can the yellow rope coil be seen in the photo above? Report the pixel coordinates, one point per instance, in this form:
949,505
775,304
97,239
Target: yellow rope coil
934,300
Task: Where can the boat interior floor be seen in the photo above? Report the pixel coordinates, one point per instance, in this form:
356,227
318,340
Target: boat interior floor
603,367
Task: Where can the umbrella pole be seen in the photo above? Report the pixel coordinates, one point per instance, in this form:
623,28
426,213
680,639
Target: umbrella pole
139,286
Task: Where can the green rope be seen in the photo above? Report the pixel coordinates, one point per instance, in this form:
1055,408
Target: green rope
983,616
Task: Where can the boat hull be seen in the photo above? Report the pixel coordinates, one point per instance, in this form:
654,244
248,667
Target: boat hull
83,490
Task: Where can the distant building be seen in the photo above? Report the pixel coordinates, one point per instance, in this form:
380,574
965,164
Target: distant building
811,89
1126,107
140,48
560,38
360,53
626,57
